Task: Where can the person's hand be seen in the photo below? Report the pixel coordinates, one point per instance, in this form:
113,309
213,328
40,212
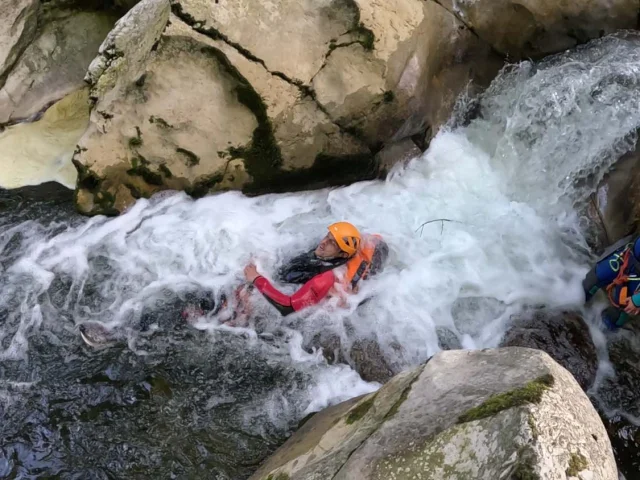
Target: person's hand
631,309
251,273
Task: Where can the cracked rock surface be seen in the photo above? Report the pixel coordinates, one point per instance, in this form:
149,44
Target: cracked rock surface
312,91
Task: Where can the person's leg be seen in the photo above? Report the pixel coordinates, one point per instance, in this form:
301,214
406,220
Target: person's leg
614,318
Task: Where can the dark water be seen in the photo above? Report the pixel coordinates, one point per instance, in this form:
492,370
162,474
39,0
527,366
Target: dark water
193,405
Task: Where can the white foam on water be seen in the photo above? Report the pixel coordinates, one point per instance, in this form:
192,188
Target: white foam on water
504,187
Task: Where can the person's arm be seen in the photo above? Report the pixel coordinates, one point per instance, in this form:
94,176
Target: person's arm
633,307
309,294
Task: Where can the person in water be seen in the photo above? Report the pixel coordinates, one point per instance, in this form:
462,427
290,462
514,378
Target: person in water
617,273
334,267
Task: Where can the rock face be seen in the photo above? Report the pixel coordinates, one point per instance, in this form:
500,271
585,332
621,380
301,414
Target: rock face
503,413
563,335
266,96
614,210
17,28
534,28
54,64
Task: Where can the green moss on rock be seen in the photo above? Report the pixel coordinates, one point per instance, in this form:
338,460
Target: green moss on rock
140,168
87,179
165,170
530,393
135,142
366,38
532,426
192,158
204,185
360,411
577,463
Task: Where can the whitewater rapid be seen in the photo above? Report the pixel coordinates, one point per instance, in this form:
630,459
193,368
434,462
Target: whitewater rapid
483,225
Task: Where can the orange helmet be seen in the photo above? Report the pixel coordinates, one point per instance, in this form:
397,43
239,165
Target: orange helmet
347,236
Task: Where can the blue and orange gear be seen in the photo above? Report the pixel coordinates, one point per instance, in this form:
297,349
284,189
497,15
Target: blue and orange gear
618,273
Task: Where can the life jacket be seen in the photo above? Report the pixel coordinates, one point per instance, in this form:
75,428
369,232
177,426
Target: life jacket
367,261
621,281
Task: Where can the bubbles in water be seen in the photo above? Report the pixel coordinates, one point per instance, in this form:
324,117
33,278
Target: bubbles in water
479,227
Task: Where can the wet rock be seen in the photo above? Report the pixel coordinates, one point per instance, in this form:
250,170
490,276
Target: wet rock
369,360
534,28
397,153
617,398
329,344
477,414
612,198
613,211
447,340
365,356
563,335
625,440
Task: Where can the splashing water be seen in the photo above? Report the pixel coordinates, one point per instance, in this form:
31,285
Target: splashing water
509,186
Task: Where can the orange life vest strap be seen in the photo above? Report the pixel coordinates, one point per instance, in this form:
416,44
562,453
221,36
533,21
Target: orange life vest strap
358,266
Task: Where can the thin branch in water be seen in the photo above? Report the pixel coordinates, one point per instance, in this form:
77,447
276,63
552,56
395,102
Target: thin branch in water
421,227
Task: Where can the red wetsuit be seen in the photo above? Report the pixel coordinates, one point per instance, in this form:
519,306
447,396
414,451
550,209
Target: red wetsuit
309,294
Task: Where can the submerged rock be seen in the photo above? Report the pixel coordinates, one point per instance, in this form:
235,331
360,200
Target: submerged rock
502,413
563,335
364,355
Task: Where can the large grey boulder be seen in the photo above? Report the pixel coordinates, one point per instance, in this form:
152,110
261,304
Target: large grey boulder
266,96
509,413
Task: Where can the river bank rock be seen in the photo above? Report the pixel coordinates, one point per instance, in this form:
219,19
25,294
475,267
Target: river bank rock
45,49
54,64
499,413
18,25
563,335
266,97
534,28
617,398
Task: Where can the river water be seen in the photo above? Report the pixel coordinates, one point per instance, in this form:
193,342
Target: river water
484,224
